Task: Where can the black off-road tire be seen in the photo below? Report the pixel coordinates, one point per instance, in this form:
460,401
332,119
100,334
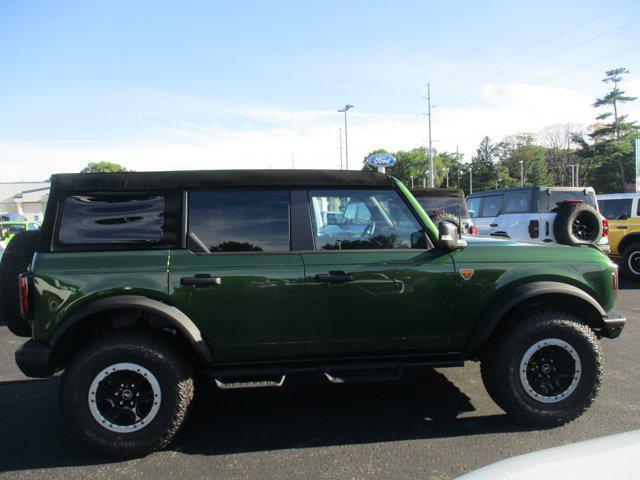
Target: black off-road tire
631,261
566,219
142,347
439,218
15,260
500,367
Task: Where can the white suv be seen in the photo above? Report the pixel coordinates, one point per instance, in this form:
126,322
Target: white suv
566,215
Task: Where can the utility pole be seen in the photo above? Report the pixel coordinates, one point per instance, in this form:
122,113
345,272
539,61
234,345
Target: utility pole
340,141
446,171
574,174
345,109
412,182
522,173
470,179
431,180
458,165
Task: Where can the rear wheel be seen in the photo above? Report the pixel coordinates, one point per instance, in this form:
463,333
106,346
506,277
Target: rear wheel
544,370
631,261
15,260
127,393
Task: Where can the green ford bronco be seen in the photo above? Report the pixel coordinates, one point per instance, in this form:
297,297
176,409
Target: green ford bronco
143,282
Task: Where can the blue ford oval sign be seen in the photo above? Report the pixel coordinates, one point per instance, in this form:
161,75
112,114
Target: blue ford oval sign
381,160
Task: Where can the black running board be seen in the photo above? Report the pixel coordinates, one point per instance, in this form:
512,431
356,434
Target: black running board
258,376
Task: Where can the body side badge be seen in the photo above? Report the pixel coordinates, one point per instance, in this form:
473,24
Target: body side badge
466,273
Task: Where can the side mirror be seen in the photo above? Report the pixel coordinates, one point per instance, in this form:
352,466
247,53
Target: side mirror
450,237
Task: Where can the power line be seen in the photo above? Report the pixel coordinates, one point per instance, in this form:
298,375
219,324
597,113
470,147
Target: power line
575,68
414,95
553,54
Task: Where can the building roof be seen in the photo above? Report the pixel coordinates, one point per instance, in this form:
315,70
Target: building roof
217,178
8,190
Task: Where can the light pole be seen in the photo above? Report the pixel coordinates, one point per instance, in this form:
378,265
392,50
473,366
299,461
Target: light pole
522,173
345,109
470,179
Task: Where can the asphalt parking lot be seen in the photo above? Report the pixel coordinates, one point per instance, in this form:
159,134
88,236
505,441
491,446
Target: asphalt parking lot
432,424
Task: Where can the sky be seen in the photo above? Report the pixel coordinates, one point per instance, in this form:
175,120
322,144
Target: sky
157,85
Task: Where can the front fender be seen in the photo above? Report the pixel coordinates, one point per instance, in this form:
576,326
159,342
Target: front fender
509,299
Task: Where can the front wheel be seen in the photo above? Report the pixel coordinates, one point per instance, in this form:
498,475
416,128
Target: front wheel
544,369
127,393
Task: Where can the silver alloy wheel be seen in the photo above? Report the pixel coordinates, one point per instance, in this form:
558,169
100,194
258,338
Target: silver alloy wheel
547,368
634,258
124,397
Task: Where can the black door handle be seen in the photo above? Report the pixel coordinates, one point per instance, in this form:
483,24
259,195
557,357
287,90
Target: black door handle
334,277
200,280
493,225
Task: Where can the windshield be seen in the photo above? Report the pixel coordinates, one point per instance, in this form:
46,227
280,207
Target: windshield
452,205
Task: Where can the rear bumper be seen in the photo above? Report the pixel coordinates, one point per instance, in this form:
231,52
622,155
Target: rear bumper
34,359
613,325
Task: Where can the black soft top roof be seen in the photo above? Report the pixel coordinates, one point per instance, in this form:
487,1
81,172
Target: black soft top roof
217,178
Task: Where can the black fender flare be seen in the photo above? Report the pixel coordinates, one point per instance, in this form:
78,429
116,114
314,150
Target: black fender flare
172,316
509,299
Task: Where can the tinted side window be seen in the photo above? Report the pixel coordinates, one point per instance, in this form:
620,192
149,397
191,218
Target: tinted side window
111,220
474,206
518,202
615,209
240,220
491,205
387,224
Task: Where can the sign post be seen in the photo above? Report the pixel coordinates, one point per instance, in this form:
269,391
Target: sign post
637,164
381,161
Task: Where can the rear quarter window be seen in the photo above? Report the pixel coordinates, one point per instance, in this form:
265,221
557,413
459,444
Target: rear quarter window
101,219
518,202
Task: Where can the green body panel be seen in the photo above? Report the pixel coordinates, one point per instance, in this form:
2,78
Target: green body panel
257,313
399,302
66,281
501,264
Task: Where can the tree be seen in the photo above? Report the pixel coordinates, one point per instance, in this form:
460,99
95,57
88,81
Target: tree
414,164
559,143
484,169
518,154
103,167
618,130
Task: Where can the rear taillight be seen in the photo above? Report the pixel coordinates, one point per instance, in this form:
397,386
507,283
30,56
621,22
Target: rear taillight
605,227
474,230
534,229
24,282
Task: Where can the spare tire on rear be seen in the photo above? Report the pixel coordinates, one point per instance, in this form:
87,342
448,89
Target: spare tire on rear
440,217
577,224
15,260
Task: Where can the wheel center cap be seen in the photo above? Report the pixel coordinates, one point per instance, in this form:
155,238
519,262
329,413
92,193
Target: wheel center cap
127,394
546,368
